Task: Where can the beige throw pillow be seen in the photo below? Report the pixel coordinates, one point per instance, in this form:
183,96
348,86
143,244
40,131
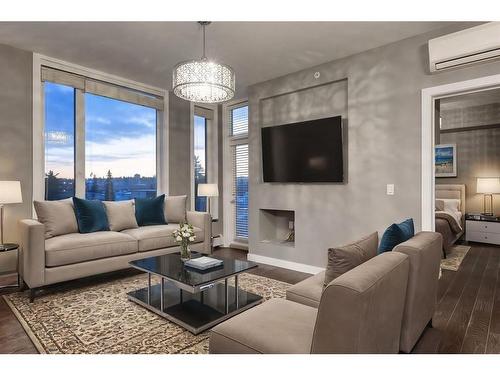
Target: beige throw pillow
121,215
439,205
347,257
58,217
175,208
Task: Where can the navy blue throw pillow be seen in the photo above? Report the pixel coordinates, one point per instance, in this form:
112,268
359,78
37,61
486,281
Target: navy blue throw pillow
150,211
90,215
396,234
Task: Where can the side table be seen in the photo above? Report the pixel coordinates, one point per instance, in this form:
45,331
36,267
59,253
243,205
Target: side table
11,247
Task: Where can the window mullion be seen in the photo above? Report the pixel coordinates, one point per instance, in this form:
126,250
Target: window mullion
79,143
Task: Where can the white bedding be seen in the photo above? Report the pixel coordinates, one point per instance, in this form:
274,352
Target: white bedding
452,207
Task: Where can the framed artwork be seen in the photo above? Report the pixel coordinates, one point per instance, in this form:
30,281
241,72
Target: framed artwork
445,162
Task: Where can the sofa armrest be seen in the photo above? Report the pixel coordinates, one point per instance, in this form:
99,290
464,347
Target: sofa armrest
32,252
203,221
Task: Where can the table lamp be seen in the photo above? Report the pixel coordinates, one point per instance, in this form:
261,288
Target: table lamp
208,190
488,186
10,192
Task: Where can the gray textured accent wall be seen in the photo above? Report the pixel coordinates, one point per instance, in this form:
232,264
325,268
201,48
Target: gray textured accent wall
179,147
16,131
384,146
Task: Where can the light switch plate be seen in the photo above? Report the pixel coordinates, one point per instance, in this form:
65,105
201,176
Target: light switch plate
390,189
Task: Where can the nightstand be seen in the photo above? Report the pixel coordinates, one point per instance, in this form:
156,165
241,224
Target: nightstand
485,229
7,248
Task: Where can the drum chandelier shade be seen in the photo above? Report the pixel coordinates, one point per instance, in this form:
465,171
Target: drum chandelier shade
202,80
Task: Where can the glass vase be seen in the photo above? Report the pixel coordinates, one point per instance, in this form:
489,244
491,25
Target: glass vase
185,252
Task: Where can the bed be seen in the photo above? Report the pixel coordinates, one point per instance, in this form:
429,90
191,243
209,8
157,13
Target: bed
450,213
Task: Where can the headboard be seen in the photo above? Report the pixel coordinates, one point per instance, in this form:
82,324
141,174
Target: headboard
452,191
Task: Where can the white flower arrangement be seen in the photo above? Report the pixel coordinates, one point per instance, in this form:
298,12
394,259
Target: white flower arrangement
185,234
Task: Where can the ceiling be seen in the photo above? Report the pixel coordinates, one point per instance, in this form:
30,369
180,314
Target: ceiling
147,51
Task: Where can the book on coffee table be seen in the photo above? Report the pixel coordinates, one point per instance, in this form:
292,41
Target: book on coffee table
203,263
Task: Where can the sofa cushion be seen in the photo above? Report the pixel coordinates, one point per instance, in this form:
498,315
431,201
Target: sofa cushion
175,209
276,326
121,215
396,234
307,292
90,215
81,247
345,258
58,217
154,237
150,211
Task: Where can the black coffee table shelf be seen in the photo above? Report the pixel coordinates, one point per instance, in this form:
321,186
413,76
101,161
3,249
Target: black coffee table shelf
195,300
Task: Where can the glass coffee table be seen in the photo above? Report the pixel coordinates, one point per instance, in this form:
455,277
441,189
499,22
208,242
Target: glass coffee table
196,300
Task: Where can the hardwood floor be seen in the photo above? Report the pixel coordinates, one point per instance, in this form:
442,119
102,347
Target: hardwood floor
467,318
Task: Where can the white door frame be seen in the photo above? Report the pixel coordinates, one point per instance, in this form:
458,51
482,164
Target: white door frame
429,95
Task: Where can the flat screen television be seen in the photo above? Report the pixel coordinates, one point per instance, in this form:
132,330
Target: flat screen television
309,151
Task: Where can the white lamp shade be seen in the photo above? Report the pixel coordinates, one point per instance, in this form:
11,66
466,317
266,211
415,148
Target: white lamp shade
208,190
488,185
10,192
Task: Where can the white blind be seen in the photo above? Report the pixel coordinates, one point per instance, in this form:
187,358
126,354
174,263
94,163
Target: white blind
101,88
240,189
238,120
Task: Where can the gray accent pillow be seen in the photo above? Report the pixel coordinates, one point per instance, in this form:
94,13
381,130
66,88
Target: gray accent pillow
121,215
345,258
58,217
175,208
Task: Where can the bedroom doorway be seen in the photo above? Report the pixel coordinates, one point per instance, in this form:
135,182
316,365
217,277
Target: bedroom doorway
432,100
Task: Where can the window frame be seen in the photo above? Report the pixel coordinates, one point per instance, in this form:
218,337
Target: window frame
210,113
162,125
230,141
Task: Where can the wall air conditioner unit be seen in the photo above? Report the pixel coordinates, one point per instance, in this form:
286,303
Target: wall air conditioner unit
469,46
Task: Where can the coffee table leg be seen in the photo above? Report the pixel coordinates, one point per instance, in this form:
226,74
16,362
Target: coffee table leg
236,294
162,295
149,289
226,289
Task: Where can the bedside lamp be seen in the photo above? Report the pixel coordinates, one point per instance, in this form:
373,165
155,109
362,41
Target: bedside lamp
488,186
10,192
208,190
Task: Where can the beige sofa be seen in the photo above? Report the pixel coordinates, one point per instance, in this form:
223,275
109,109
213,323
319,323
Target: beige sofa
45,261
381,306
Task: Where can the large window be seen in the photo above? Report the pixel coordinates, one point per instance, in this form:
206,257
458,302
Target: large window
100,139
200,160
59,141
120,149
238,149
241,190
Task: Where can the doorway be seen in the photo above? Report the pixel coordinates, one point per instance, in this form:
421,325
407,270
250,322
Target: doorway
430,97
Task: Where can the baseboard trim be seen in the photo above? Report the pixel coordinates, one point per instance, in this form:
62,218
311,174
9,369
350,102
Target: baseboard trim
301,267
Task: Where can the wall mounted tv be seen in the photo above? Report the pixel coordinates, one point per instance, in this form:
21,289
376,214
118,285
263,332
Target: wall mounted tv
309,151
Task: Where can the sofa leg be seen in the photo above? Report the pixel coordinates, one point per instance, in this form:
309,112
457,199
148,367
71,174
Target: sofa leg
32,294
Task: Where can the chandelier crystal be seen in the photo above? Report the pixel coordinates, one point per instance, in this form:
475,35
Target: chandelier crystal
203,80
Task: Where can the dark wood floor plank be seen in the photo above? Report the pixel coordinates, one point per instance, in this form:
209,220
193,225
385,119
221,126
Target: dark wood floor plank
476,334
449,301
493,341
454,332
493,345
445,282
13,338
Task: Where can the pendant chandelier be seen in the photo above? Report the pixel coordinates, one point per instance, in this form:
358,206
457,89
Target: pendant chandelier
202,80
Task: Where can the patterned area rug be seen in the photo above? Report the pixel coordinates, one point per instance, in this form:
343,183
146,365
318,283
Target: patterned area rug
99,319
454,257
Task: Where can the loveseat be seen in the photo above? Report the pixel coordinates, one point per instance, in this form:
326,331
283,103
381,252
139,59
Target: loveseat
47,256
381,306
